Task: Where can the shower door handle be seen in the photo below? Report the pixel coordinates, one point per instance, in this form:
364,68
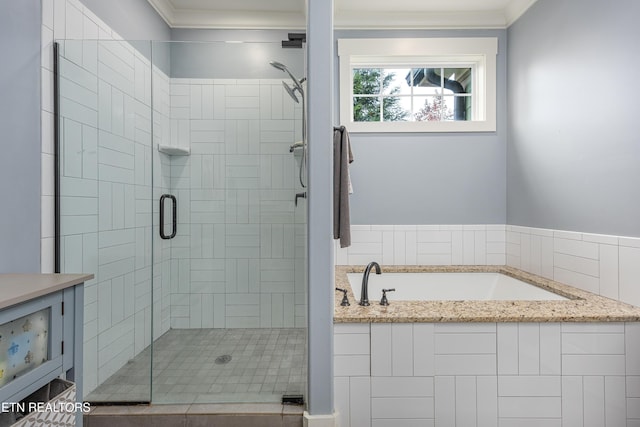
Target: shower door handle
173,217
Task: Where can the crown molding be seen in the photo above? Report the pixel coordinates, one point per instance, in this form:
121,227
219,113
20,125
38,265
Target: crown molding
165,9
344,18
241,20
233,19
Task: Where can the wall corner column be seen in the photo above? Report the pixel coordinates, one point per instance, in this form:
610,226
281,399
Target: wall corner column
320,53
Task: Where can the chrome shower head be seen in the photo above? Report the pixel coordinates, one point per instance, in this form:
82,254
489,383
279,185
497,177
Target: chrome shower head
291,92
284,68
278,65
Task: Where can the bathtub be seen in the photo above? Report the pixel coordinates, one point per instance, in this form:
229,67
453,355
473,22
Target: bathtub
450,331
450,286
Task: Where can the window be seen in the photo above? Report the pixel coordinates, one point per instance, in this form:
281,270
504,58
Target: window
418,85
412,94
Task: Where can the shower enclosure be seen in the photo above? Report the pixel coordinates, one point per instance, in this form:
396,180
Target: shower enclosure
179,166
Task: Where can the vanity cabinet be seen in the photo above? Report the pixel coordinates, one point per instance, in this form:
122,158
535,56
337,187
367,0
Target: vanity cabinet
41,320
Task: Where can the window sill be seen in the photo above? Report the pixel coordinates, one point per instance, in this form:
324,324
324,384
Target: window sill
421,127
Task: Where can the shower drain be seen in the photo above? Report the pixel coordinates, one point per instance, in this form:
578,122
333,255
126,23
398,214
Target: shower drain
221,360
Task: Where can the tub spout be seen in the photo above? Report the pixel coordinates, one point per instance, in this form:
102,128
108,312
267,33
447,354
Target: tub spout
364,293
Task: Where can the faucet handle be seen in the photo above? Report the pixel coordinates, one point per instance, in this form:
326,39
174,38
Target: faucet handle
384,300
345,300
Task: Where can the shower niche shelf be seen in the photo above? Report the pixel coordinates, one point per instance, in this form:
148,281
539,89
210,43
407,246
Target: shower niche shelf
174,151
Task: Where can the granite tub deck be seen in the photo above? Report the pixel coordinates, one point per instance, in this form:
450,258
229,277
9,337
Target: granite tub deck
582,306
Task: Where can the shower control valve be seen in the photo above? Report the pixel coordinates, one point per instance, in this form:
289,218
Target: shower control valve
302,195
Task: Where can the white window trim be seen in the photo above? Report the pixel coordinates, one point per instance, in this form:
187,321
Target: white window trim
479,52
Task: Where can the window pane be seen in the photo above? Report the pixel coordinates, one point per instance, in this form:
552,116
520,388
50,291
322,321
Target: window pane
366,81
396,108
458,80
394,82
415,77
426,80
366,109
460,107
431,108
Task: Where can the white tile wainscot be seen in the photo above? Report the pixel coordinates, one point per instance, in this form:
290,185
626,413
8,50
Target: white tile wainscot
602,264
605,265
481,244
487,374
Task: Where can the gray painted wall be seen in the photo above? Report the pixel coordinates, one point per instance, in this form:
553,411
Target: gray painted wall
136,20
207,35
573,117
20,135
132,19
208,56
434,178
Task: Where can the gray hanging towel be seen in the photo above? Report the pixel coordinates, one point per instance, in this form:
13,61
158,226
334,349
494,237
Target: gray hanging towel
342,156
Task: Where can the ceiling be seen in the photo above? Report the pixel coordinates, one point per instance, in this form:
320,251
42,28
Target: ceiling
379,14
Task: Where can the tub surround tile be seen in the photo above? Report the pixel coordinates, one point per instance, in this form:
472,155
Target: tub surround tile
491,374
488,363
582,306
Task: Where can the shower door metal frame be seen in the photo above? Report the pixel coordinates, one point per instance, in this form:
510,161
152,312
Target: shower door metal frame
56,158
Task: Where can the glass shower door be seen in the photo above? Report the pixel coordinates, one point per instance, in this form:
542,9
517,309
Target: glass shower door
105,134
178,182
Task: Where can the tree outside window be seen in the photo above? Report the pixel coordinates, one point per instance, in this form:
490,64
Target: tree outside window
375,82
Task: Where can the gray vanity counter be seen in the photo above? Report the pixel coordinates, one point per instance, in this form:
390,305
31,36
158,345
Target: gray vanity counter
19,288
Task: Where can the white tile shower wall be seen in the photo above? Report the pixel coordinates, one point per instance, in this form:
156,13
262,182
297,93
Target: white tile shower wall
506,374
424,245
59,19
238,257
602,264
106,184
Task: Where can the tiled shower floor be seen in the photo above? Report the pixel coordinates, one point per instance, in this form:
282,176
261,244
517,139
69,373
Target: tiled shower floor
264,365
